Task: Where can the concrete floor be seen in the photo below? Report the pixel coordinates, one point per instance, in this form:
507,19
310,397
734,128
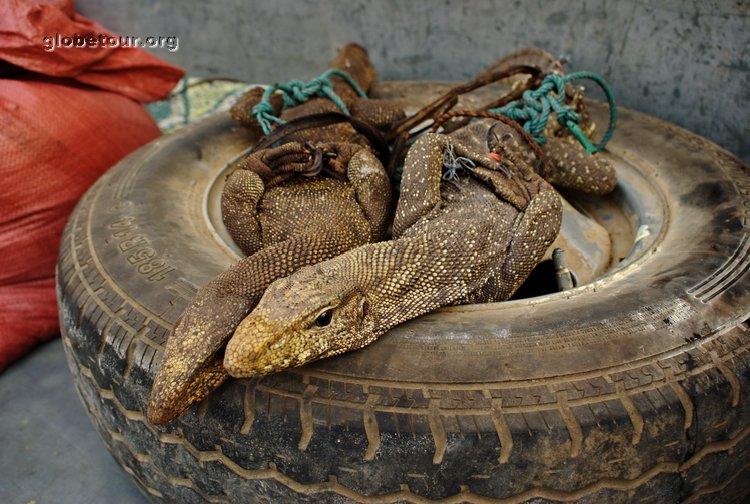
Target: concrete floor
50,451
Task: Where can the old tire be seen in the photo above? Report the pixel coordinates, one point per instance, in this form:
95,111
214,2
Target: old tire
631,388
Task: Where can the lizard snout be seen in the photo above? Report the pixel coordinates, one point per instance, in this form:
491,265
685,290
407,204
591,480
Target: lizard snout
251,350
180,385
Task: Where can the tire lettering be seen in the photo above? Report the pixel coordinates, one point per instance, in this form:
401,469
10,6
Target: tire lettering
128,244
137,250
141,255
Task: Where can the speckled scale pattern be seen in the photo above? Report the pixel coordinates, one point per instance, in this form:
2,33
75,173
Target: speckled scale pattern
243,191
566,162
282,224
473,239
284,210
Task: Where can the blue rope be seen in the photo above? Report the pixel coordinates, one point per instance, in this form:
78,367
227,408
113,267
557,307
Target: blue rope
535,106
296,92
455,166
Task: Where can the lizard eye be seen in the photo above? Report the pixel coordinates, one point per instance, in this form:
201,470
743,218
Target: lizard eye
324,318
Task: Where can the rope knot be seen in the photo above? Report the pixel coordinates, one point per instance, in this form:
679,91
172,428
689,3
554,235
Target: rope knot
297,92
567,115
535,107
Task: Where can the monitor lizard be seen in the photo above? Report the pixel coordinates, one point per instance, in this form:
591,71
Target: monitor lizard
284,214
566,163
474,238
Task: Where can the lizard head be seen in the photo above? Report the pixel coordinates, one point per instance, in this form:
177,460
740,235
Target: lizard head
192,364
307,316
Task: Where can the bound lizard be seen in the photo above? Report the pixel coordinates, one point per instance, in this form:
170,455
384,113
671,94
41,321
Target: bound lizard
284,214
566,163
473,238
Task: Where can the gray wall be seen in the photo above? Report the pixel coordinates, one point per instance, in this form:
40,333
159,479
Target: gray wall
686,62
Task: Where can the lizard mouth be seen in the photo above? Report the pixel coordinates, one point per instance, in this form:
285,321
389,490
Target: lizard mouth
171,398
260,347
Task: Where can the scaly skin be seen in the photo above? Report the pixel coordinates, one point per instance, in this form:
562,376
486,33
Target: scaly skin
474,239
566,163
282,222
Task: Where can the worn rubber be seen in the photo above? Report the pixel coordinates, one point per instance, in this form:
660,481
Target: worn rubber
633,388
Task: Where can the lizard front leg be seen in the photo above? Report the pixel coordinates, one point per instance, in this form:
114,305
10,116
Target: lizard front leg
239,203
372,189
423,172
420,184
533,233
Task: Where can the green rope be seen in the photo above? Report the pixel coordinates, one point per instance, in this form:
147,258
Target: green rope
535,106
296,92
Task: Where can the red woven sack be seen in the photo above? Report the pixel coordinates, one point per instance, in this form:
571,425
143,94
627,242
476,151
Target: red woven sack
57,136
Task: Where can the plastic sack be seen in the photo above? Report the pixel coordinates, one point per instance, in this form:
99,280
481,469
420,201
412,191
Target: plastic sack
58,134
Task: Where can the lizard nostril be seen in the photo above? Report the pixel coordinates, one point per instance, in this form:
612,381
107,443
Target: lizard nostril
219,355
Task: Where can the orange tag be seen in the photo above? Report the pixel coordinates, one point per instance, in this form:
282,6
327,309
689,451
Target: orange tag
495,156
